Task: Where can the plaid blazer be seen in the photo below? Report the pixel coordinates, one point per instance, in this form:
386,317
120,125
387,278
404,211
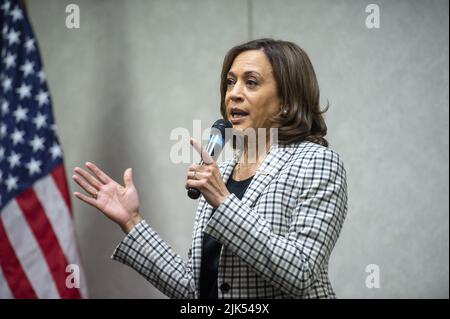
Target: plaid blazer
276,241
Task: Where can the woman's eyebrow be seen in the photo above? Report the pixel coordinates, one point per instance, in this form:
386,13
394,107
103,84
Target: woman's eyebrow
246,73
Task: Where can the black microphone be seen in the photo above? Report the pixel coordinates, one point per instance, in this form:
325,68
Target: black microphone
214,147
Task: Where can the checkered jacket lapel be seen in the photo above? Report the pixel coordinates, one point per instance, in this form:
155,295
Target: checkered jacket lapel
269,168
203,214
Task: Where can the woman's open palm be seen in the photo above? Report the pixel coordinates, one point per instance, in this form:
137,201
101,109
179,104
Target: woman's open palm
117,202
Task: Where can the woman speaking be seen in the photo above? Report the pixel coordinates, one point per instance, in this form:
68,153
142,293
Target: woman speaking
265,227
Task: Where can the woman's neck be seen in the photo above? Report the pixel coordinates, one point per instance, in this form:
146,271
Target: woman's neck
254,154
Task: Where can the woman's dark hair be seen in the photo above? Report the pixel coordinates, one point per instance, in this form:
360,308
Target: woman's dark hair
297,88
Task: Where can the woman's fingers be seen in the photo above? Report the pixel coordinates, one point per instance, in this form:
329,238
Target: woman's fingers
195,183
105,179
84,185
194,167
87,199
88,177
207,159
197,174
128,177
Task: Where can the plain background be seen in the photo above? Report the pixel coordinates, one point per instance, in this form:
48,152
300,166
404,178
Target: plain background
136,70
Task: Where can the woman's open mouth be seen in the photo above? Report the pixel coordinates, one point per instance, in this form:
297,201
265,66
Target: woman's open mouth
238,115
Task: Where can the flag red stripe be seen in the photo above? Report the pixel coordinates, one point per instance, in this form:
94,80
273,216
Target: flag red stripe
59,176
12,270
47,240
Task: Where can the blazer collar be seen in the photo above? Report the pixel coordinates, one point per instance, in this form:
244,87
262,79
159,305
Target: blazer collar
276,158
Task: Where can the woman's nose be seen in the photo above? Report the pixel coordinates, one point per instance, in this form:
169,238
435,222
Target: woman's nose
236,93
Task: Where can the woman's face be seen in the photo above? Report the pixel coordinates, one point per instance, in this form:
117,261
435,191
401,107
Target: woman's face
251,99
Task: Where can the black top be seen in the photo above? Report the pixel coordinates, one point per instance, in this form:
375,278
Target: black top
211,248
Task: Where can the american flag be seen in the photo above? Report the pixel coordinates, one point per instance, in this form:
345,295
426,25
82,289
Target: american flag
38,251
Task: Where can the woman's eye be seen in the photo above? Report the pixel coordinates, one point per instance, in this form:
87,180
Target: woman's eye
230,81
251,83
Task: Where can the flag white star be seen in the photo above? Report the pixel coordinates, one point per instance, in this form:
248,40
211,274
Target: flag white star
42,98
33,166
20,114
14,160
11,182
27,68
16,14
10,60
2,153
41,76
6,6
13,37
56,151
5,30
2,130
24,91
5,107
7,84
40,120
17,136
29,45
37,143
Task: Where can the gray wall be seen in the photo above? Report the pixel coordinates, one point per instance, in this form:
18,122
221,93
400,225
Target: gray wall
135,70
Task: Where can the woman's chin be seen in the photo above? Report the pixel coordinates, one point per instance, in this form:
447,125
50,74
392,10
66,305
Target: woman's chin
240,128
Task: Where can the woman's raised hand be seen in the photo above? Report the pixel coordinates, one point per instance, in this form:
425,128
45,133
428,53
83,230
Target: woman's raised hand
117,202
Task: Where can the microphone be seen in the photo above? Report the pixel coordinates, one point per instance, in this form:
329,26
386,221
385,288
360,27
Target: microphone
215,145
